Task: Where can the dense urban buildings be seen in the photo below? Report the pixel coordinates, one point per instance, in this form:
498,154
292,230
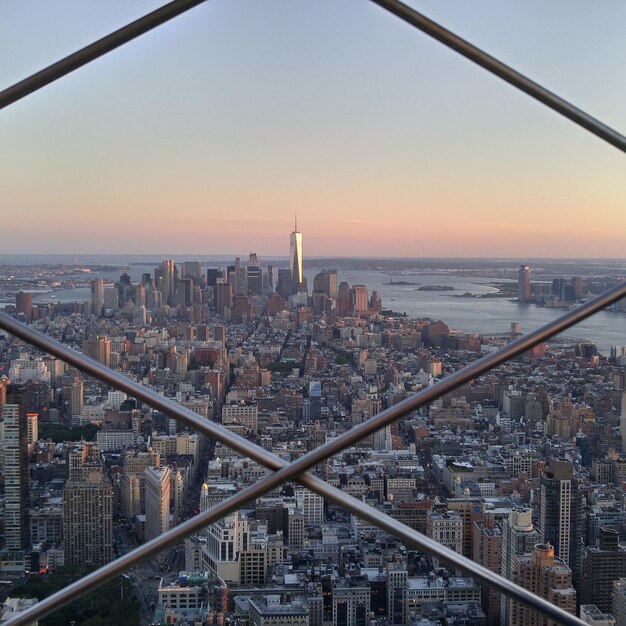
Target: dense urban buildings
523,469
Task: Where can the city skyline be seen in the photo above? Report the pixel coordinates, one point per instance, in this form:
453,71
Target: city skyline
369,143
518,469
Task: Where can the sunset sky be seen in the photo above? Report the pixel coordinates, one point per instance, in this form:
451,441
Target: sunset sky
207,134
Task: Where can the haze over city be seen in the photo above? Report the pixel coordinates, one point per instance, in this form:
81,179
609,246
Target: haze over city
385,142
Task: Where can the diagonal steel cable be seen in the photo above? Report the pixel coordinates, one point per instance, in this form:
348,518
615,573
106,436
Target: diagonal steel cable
503,71
133,30
94,50
291,471
411,16
409,536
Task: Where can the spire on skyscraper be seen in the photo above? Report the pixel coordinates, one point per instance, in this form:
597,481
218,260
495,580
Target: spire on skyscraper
295,258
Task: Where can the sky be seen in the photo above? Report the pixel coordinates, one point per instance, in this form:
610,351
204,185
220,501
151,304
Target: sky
209,133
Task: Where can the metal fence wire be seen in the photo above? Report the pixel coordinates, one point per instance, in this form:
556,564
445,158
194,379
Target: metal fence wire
298,470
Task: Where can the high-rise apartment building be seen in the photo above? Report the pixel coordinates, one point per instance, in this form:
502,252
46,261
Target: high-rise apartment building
519,537
351,604
295,260
87,509
470,510
98,349
445,528
314,405
312,506
382,438
15,448
546,576
487,546
226,539
72,389
601,565
561,514
397,591
523,283
295,530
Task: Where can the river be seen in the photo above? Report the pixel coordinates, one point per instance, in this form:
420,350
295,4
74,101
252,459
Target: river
471,315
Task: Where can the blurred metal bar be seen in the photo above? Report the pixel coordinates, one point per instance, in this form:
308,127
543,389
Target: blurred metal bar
511,76
290,471
93,51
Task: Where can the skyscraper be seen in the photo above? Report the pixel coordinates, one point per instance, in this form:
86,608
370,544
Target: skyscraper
87,509
24,304
270,277
240,285
487,551
518,537
315,401
358,299
601,566
343,299
184,294
619,600
255,280
523,283
561,514
546,576
295,259
15,446
99,349
223,297
622,421
192,269
168,276
283,284
158,492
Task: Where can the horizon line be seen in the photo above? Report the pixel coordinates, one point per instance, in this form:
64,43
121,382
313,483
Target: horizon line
315,257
